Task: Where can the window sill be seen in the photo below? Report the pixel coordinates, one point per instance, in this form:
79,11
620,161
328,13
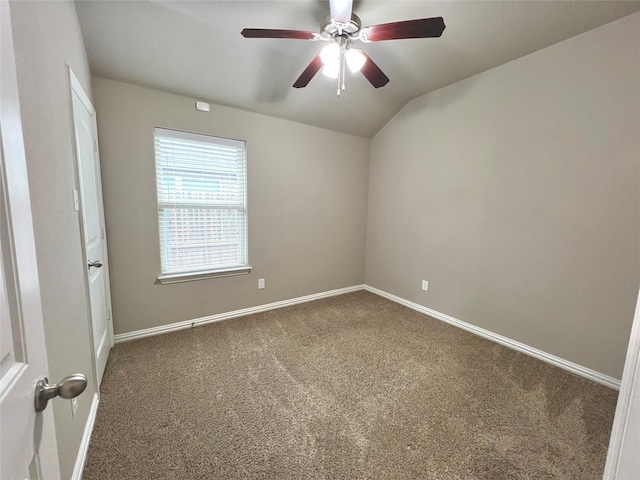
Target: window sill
193,276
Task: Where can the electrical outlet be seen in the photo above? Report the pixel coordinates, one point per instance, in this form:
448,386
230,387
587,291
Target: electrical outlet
74,406
261,284
425,285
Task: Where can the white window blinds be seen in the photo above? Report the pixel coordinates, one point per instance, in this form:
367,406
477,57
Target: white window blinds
202,210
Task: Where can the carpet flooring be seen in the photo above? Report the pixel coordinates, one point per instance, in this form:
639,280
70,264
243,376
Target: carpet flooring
347,387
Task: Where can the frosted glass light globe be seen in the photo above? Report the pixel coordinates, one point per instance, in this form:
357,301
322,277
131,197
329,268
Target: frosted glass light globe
330,54
355,59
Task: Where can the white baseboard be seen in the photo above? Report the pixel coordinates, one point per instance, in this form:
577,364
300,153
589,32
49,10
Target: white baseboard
521,347
86,438
507,342
148,332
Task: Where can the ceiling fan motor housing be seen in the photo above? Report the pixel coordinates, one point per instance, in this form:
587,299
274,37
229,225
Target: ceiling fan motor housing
330,29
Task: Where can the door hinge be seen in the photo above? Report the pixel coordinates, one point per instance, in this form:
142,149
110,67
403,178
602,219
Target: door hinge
102,233
95,145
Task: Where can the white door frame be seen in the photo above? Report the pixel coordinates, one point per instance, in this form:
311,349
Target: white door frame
74,87
623,462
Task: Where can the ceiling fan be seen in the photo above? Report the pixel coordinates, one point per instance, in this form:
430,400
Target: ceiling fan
341,31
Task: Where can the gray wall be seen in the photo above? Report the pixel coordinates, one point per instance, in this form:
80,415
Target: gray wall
46,37
307,194
515,193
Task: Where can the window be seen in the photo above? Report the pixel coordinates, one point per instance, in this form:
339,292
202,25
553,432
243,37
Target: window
202,205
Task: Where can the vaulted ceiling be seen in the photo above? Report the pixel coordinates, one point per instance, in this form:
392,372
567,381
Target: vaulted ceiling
194,48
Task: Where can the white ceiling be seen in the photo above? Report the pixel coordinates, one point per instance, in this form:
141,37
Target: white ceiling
194,48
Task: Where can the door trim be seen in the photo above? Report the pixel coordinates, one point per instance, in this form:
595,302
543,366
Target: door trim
623,442
83,449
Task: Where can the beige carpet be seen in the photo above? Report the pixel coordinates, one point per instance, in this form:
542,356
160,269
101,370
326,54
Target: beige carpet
347,387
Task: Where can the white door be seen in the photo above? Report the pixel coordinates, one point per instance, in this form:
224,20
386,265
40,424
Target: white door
624,446
93,231
28,444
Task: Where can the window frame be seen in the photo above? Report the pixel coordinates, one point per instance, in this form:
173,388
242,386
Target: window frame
202,272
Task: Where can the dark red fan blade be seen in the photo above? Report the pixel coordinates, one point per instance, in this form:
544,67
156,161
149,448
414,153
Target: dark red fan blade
421,28
309,72
373,73
270,33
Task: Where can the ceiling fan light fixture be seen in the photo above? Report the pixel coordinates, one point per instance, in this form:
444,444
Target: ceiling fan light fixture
355,59
331,70
330,55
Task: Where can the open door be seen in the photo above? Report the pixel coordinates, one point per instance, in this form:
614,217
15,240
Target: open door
28,442
623,458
